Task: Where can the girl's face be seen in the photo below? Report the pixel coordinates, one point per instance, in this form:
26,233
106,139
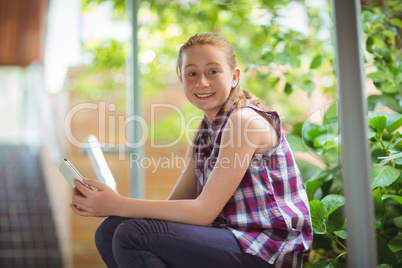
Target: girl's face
207,78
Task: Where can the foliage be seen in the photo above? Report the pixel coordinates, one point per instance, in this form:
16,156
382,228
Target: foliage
105,73
381,26
119,10
270,53
381,31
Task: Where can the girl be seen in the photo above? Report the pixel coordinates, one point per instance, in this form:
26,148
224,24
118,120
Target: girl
240,201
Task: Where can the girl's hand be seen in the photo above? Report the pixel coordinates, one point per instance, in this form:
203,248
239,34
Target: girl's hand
101,203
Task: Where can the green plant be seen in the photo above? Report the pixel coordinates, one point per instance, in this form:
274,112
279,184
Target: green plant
381,26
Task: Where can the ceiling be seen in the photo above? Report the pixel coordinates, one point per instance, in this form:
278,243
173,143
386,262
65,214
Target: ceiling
22,31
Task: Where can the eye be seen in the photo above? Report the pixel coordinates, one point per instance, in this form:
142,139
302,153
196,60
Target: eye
213,72
192,74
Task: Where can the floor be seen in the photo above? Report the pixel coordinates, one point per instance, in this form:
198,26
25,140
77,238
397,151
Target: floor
27,230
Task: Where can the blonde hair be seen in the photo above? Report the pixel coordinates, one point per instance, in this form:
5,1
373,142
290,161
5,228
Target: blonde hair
238,97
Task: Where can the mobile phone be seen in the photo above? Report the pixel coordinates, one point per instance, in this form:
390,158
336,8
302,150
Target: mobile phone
70,173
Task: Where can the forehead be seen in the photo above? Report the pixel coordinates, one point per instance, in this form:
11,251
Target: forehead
203,54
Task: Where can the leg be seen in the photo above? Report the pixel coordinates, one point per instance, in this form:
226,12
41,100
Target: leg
103,239
178,245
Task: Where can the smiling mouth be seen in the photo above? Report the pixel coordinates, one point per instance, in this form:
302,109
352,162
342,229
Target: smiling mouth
204,95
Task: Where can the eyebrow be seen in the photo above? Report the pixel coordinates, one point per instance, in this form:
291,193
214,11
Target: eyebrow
209,63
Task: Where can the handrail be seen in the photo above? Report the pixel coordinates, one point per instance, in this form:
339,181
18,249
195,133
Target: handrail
39,109
99,163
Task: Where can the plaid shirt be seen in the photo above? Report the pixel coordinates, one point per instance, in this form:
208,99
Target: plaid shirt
269,212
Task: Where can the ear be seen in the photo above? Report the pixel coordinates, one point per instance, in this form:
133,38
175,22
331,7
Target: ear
236,76
181,78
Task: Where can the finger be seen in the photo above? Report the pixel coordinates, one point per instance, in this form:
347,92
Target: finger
82,188
80,202
76,192
83,212
79,206
97,184
74,204
79,211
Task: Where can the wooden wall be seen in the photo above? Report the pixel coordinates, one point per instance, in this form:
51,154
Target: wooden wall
22,31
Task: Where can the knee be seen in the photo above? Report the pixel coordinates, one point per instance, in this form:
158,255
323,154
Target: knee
105,231
131,234
123,234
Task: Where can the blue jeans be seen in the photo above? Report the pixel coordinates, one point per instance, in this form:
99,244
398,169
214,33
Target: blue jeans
126,242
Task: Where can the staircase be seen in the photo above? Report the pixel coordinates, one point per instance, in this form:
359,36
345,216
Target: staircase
27,231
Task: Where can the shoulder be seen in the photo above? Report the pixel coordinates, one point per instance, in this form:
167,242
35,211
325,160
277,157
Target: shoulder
254,126
248,117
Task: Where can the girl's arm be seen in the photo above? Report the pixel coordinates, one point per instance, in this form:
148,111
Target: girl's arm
185,187
239,143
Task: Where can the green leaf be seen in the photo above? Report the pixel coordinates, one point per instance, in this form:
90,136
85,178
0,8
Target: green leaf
316,181
296,143
369,41
289,88
370,134
311,131
332,202
390,157
341,234
395,197
316,62
379,76
307,169
398,146
398,78
394,121
379,42
321,264
312,187
378,205
396,22
385,255
398,221
326,140
331,114
395,244
318,213
383,176
385,266
334,263
389,33
375,101
378,123
388,88
308,87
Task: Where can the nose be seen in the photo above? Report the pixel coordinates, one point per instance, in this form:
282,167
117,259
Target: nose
202,81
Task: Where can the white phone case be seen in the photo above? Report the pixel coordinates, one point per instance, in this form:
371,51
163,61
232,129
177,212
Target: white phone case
70,173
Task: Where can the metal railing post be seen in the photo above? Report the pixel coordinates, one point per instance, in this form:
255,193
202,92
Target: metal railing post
133,104
359,209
